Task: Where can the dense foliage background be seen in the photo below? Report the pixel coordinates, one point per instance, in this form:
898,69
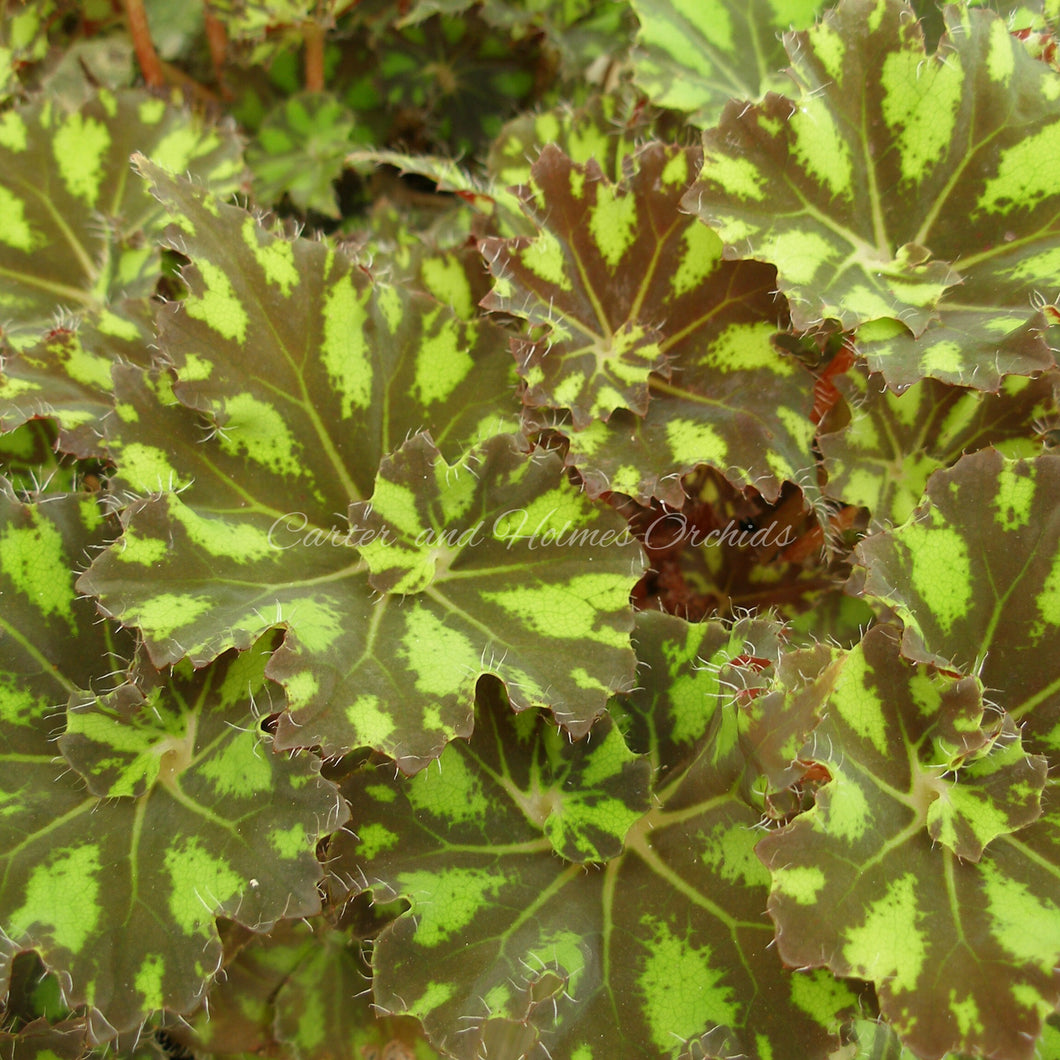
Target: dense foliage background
529,528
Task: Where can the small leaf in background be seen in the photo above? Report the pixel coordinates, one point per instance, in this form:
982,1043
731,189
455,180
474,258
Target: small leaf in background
861,886
444,85
890,190
975,569
695,57
661,949
299,150
78,234
883,457
582,33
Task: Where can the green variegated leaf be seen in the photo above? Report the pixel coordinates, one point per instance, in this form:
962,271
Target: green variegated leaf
76,869
67,376
494,564
305,393
453,276
500,205
890,170
696,55
734,402
883,457
23,39
974,574
334,367
662,951
43,1041
922,861
29,462
608,129
77,233
201,819
51,642
608,263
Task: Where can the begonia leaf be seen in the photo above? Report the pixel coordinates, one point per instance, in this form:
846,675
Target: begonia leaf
975,570
694,56
78,232
452,276
607,128
330,345
31,465
734,402
890,189
200,820
484,568
661,950
66,376
60,842
23,40
496,202
724,553
604,254
294,334
51,642
299,988
884,456
915,880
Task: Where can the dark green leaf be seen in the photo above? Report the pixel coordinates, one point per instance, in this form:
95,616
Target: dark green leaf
973,575
886,877
695,56
661,950
890,170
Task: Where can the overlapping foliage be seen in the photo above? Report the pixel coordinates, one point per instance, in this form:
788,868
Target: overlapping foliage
529,528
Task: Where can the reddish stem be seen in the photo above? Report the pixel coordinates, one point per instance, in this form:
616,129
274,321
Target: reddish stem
217,39
140,31
314,56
